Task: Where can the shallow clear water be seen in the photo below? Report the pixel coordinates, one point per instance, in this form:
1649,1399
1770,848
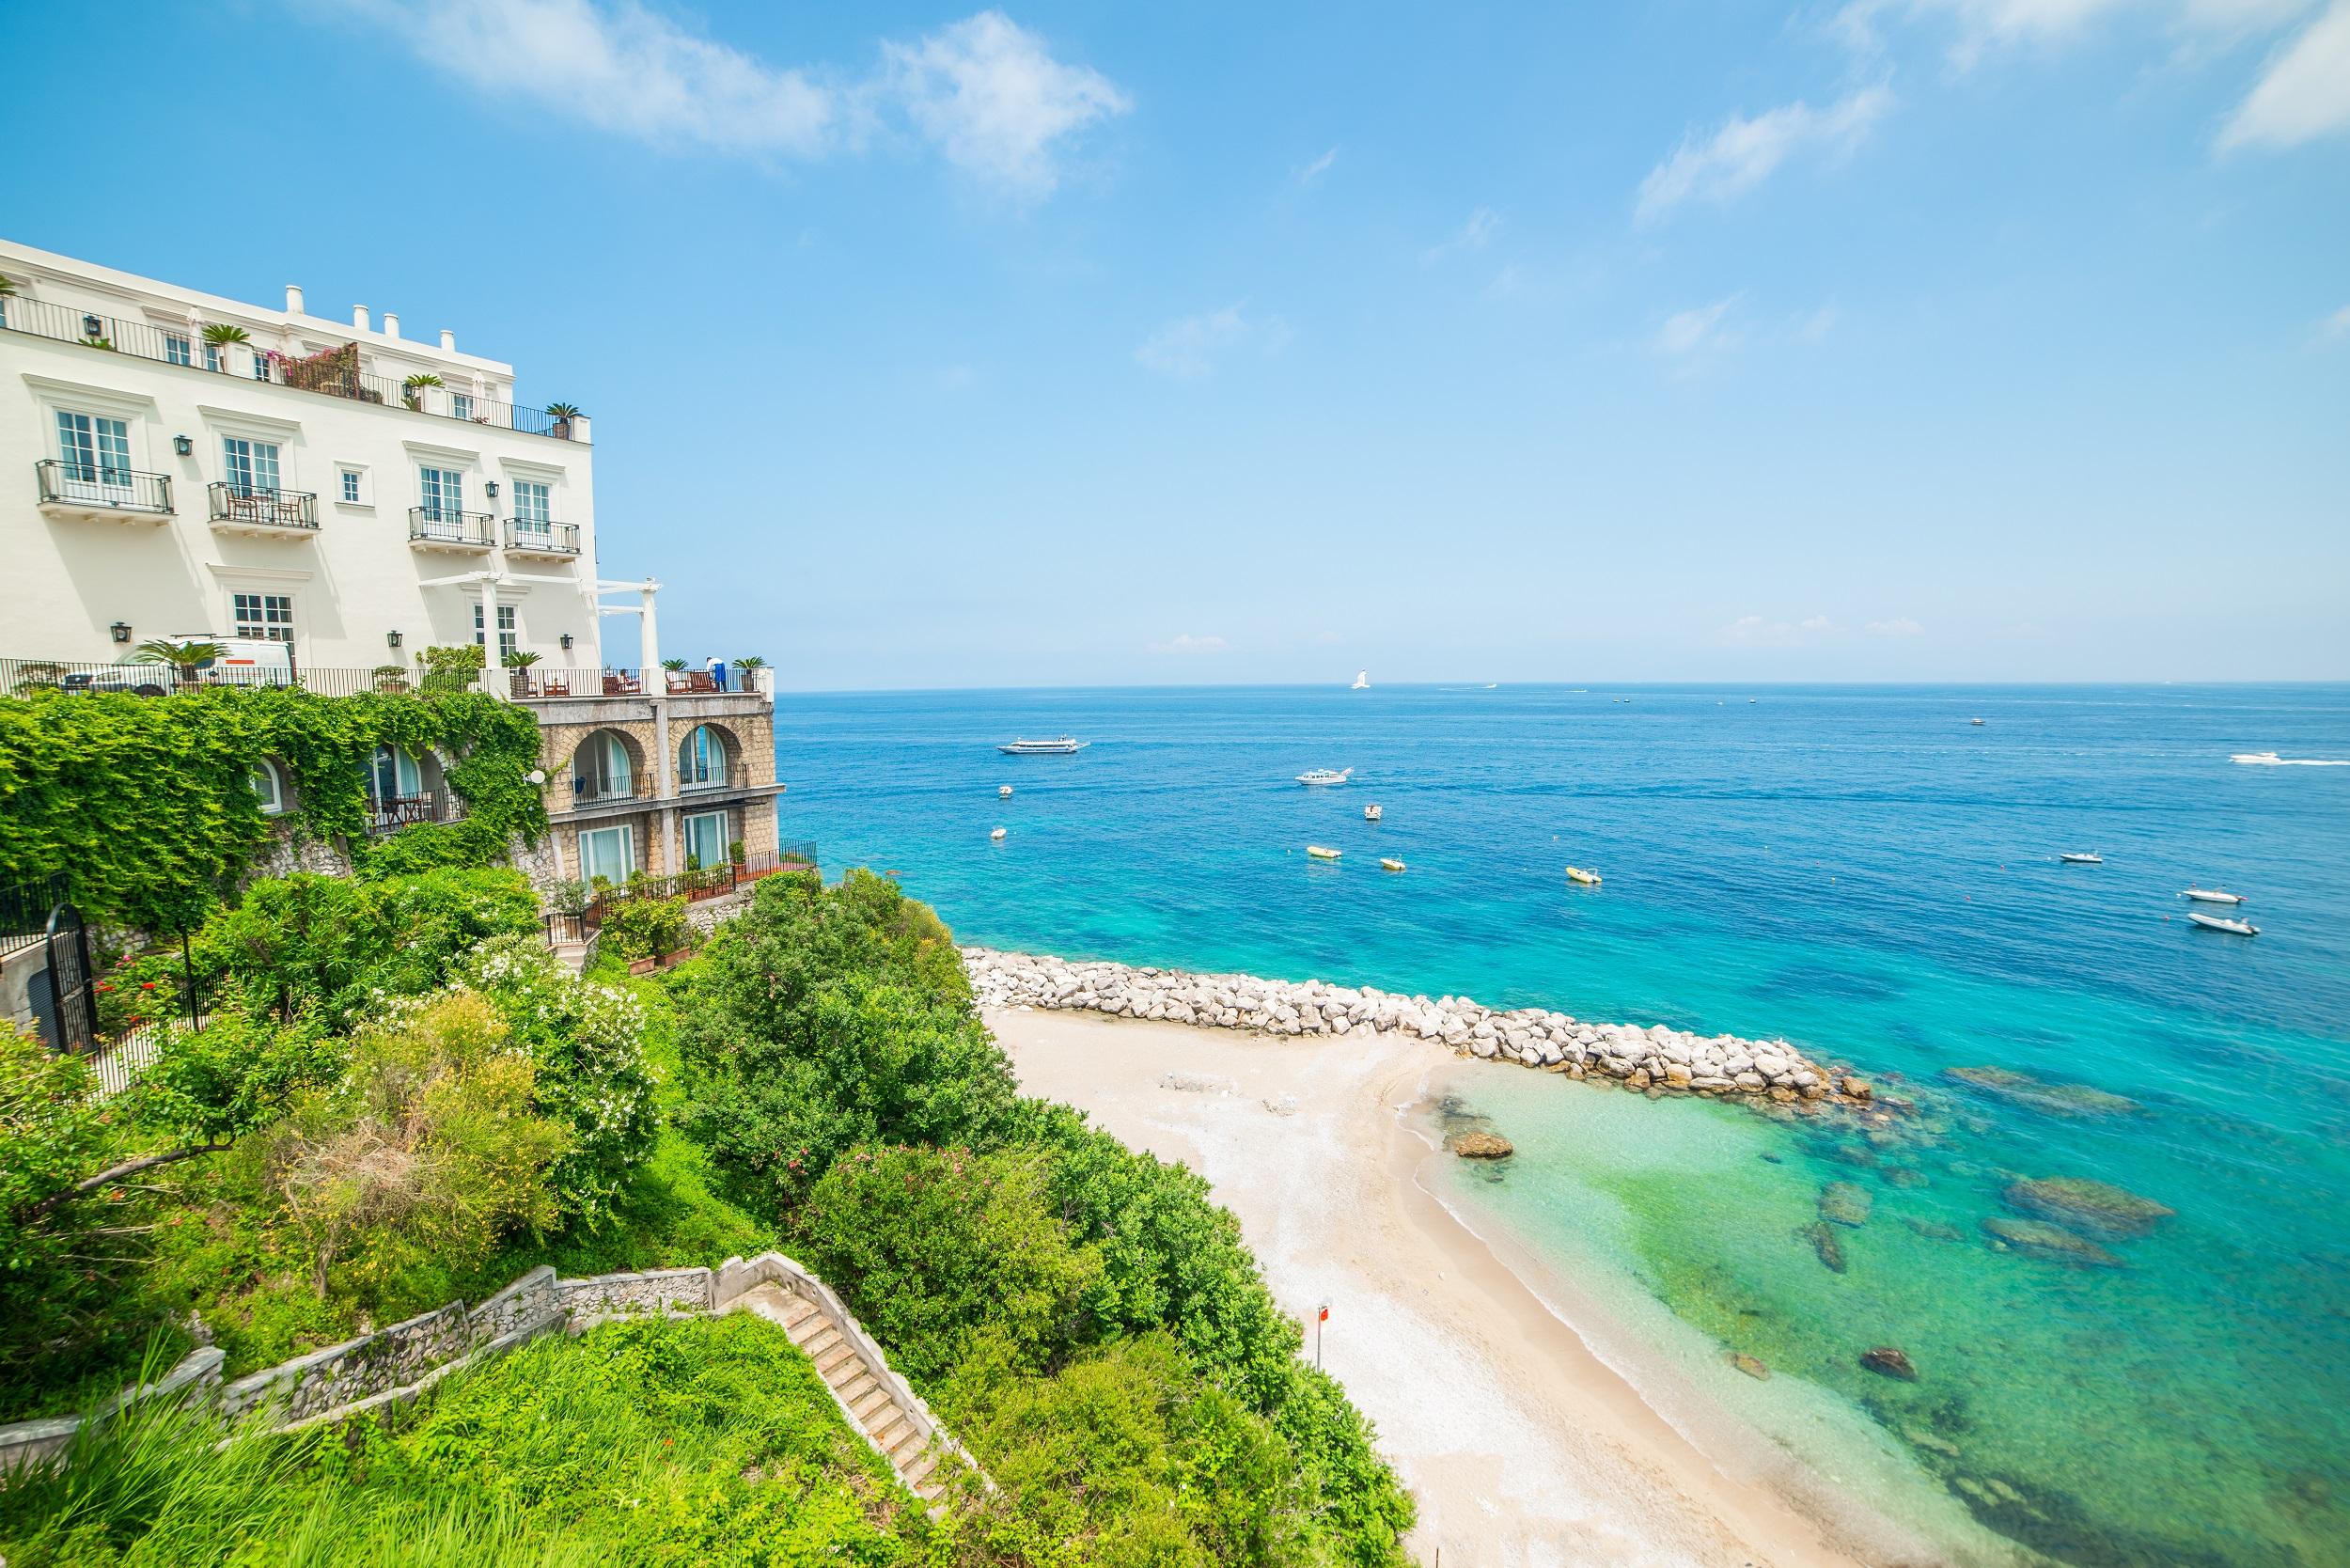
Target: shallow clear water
1861,871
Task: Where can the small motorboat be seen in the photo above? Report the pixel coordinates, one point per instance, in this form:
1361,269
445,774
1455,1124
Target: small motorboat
997,834
1004,791
2211,895
1388,864
1576,873
1371,814
1061,747
1320,853
2082,859
1323,777
1362,681
1974,721
2217,923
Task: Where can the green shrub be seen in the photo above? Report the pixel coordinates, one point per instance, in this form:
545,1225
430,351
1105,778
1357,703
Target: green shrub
587,1045
940,1246
430,1147
647,927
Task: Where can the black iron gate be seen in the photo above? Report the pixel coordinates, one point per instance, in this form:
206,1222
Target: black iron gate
72,1017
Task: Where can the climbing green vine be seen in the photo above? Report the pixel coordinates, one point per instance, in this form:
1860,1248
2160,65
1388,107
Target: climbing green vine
146,806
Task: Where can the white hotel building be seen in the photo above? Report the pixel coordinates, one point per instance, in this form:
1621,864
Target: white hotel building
178,465
299,485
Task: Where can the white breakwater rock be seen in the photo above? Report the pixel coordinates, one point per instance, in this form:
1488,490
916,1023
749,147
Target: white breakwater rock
1652,1057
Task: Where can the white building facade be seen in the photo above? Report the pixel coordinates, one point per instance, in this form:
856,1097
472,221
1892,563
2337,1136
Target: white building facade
174,464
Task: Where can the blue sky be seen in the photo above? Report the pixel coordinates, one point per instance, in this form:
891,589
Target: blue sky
1998,339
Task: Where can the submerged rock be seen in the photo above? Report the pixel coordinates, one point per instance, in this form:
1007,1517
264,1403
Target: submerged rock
1823,1239
1751,1367
2053,1244
1932,1229
1481,1146
1886,1361
1846,1204
2021,1089
2098,1206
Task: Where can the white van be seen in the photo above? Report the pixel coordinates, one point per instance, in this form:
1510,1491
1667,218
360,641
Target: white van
244,660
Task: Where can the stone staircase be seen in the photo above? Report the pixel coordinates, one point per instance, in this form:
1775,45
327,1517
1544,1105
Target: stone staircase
878,1402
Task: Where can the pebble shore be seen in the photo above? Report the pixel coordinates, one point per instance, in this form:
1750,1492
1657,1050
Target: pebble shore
1653,1059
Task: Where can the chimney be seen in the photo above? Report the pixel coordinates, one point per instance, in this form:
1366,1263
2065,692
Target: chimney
448,341
359,316
391,324
293,299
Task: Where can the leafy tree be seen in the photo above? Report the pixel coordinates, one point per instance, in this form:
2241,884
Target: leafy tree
186,659
941,1246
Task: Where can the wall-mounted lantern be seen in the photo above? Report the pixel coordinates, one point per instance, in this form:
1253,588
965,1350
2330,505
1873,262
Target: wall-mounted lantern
567,642
93,327
391,639
182,445
121,630
491,489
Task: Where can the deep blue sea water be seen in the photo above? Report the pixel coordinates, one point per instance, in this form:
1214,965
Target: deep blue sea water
1858,870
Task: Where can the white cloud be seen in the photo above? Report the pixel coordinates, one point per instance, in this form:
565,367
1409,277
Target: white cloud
1187,643
985,92
2303,94
1745,152
1313,172
1810,328
1687,331
1189,347
993,100
1473,235
2336,326
1899,626
1819,623
1979,26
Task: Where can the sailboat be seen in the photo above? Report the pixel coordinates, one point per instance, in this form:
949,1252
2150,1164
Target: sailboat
1362,681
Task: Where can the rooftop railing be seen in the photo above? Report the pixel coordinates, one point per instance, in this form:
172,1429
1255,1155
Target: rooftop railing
334,373
101,487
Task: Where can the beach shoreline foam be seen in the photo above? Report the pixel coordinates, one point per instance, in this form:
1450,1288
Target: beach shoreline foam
1530,1432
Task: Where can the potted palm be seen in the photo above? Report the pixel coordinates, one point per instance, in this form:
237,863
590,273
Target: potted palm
411,391
186,659
519,662
563,414
222,339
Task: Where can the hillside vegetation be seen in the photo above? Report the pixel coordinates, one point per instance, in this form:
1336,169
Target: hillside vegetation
403,1100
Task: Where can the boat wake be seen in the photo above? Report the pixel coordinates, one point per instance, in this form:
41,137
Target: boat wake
2270,759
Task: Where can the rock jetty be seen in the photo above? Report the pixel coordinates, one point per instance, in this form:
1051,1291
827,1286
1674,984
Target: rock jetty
1654,1059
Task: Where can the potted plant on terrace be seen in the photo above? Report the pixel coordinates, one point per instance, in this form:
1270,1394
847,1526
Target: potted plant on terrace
519,662
412,390
186,659
220,337
390,678
563,414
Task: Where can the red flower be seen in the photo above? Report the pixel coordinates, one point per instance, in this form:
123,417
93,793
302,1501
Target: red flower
147,985
104,985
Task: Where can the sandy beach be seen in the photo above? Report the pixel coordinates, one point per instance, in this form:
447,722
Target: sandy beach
1522,1446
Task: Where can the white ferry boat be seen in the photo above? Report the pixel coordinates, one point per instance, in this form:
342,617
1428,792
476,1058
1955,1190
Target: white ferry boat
1323,777
1062,747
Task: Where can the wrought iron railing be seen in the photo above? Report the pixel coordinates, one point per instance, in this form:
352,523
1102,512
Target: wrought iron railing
22,676
733,775
441,525
334,373
389,813
278,508
545,539
102,487
602,789
708,882
24,908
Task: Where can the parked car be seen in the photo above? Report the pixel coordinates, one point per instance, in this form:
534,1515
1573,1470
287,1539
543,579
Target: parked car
139,680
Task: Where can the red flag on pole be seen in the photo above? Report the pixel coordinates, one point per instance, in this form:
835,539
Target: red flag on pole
1324,1317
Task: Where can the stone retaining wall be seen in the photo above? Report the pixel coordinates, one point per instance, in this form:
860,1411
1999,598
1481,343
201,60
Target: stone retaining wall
397,1362
1654,1058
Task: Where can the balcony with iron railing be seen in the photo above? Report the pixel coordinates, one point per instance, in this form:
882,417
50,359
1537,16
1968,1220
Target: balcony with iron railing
442,528
333,372
99,490
251,509
527,537
389,813
733,775
600,788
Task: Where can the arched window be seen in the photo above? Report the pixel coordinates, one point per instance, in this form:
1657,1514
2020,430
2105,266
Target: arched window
702,760
600,768
270,786
395,774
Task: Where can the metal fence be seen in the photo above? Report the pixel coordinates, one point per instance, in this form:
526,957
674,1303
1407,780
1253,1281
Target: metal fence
101,487
331,373
541,539
231,502
21,676
24,908
695,887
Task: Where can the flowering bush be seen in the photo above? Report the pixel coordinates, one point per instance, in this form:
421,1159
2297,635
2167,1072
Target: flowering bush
587,1043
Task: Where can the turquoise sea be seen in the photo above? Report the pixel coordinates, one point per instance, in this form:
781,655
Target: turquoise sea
1862,871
